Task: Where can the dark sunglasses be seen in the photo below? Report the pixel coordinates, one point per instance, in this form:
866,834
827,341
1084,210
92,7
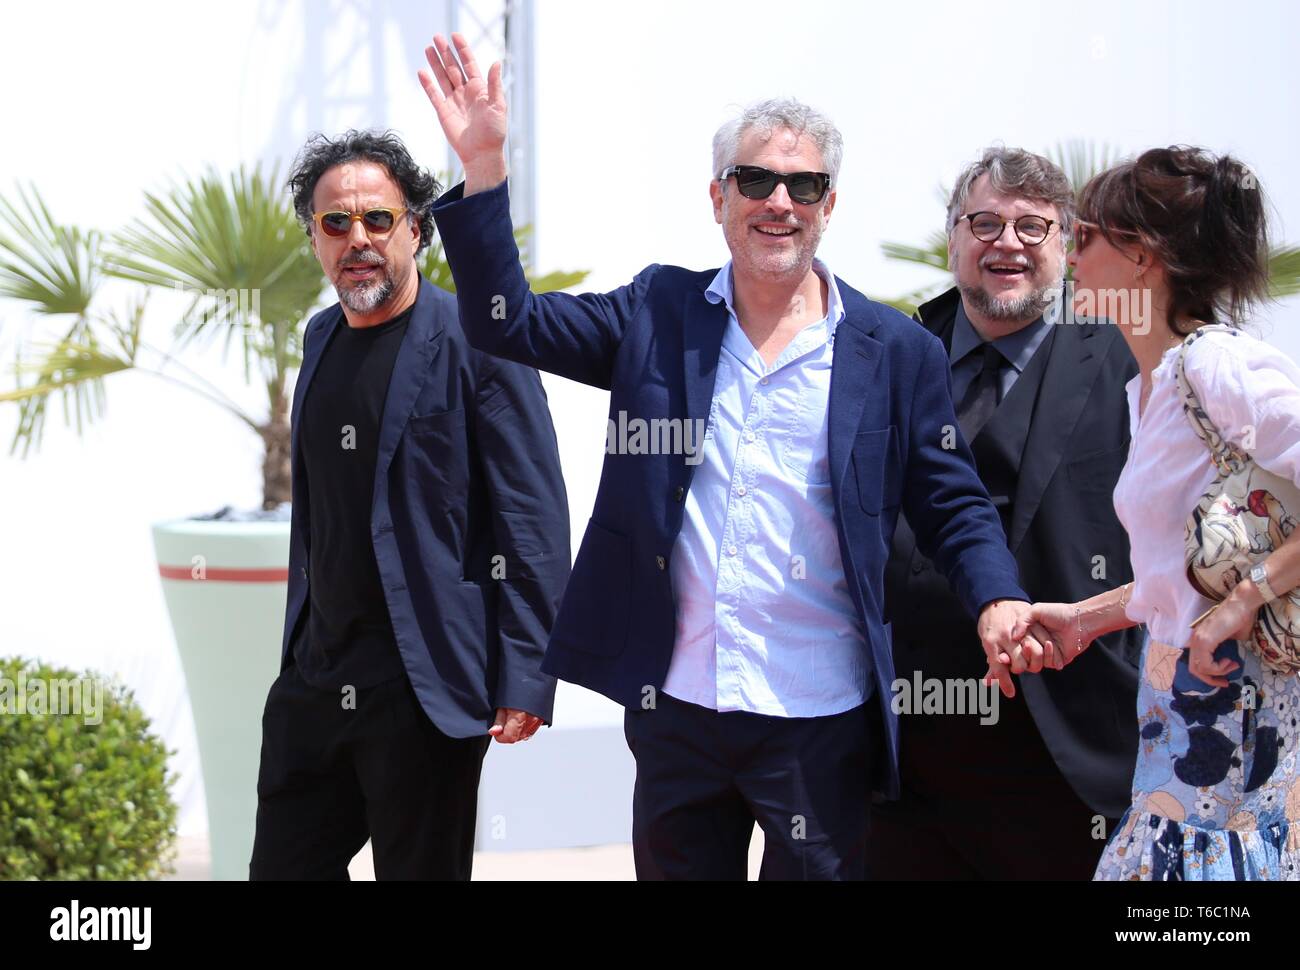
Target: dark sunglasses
376,221
753,182
1084,232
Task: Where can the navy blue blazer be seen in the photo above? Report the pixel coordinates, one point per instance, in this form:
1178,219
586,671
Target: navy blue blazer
469,519
654,345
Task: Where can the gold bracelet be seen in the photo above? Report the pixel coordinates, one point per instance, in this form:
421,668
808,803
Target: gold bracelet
1204,616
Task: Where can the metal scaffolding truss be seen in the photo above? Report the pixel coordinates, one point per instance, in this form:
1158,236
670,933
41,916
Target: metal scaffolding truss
502,30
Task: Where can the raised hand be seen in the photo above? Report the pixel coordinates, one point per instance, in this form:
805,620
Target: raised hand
471,110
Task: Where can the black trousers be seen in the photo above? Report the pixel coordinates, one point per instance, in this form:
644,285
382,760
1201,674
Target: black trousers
982,802
703,778
331,777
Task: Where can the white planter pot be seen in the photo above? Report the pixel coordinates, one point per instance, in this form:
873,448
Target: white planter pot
225,585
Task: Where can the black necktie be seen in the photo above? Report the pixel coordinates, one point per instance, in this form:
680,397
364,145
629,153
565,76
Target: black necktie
982,396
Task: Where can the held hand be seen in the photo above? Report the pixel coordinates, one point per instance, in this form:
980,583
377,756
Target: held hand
1230,620
1030,654
513,725
471,110
997,621
1055,625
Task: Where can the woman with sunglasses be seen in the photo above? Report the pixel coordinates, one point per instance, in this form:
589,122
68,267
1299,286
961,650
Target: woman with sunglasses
1174,241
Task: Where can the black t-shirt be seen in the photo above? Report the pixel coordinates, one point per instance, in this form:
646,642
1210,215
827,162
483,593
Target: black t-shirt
347,638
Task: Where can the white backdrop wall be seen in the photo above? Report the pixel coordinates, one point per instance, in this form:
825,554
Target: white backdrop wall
107,101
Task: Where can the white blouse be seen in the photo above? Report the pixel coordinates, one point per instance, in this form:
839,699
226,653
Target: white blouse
1243,383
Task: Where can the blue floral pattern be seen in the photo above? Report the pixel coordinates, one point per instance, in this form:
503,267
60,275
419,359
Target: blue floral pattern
1216,794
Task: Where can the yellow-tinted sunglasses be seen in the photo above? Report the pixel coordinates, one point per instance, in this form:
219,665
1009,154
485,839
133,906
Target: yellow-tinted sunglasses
377,222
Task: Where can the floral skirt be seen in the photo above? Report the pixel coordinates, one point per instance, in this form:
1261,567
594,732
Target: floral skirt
1216,794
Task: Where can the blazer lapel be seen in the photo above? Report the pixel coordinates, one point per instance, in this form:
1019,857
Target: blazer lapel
311,358
1071,370
703,324
410,371
854,363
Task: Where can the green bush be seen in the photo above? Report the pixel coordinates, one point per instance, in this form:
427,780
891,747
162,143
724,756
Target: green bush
84,788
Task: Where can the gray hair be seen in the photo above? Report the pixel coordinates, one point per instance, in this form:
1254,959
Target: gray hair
769,117
1015,171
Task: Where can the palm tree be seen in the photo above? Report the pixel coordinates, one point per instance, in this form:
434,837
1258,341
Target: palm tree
232,246
1080,160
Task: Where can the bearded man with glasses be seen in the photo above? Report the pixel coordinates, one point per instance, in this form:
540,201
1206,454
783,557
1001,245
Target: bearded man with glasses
1033,793
428,551
729,595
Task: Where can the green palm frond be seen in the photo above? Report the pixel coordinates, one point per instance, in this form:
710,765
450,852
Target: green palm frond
54,268
1284,271
434,267
908,302
933,253
547,282
559,280
1081,159
72,368
235,249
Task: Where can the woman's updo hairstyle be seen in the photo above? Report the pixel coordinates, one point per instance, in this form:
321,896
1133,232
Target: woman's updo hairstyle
1203,218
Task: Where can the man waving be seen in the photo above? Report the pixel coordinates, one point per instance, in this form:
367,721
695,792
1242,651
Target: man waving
728,589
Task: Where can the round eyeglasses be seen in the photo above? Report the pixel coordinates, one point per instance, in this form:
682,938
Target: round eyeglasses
988,226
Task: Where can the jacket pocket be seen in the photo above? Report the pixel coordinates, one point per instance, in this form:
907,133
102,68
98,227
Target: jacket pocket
444,422
880,480
602,580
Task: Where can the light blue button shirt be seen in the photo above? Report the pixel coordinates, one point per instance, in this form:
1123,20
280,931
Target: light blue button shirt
765,622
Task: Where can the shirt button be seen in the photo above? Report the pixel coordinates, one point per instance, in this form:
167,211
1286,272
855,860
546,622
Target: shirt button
732,550
661,563
741,490
679,493
749,436
765,381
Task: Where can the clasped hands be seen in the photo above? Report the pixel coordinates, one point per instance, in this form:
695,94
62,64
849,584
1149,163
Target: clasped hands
1021,637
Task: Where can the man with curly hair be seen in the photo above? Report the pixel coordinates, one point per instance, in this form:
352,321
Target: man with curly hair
428,550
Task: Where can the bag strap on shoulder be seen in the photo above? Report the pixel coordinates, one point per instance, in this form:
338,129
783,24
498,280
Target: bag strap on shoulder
1226,458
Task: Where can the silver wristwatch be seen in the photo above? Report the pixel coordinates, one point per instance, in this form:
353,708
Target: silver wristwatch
1259,576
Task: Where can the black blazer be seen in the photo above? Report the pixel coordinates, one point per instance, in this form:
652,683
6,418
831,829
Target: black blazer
1068,544
469,519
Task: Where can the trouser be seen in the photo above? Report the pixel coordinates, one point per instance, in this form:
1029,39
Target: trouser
332,776
703,778
982,801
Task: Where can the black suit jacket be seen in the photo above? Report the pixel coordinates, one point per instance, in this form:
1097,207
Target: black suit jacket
469,519
1068,544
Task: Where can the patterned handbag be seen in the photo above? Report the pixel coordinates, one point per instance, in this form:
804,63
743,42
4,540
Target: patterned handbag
1246,514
